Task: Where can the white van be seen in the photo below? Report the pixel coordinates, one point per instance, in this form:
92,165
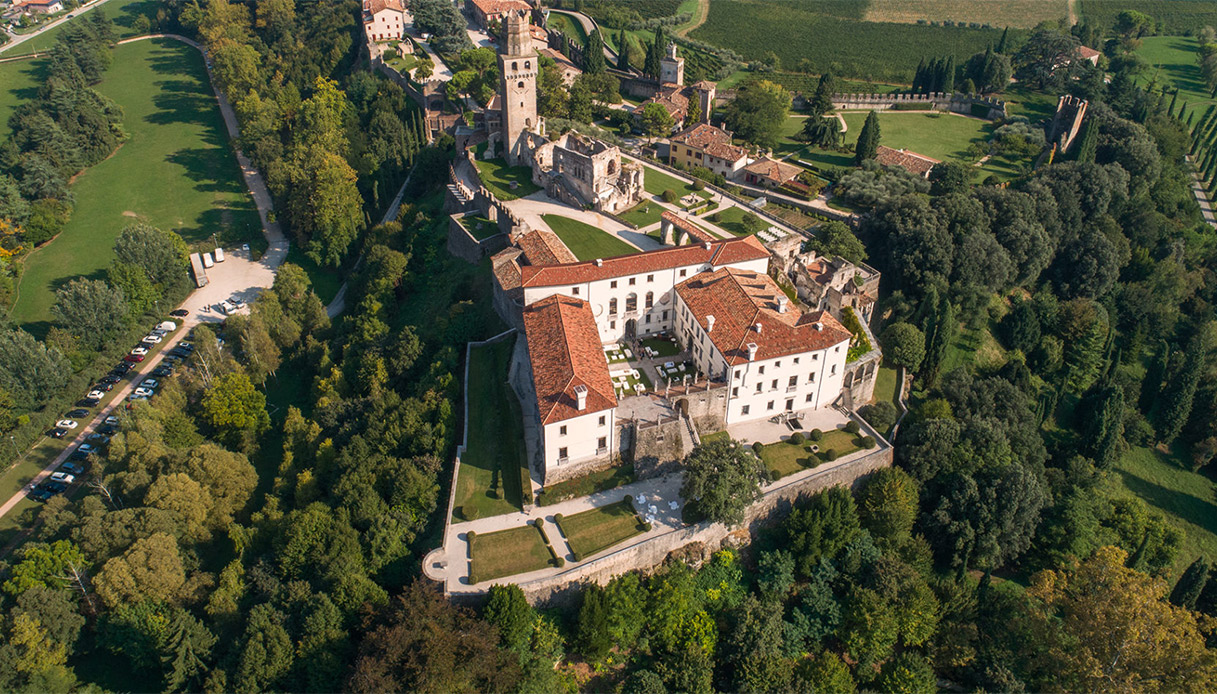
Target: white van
167,326
207,261
219,254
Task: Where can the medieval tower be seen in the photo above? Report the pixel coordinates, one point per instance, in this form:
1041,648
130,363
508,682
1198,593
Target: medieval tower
672,68
518,87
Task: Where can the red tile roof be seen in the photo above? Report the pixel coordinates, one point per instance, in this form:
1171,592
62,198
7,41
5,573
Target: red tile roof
713,141
910,161
1088,53
543,247
565,351
493,7
739,300
506,268
773,170
717,254
695,232
375,6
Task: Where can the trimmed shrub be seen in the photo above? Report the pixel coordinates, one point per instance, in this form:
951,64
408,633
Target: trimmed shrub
470,535
830,455
670,196
757,447
815,435
559,562
775,474
716,217
540,523
474,580
797,438
646,527
852,427
699,184
557,517
813,460
868,442
575,556
470,512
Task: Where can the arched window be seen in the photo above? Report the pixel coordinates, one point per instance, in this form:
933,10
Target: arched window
613,306
527,64
650,299
515,66
631,302
520,85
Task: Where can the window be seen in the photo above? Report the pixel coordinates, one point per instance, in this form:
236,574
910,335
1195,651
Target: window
648,318
633,280
683,273
759,386
612,325
761,371
773,385
562,453
515,66
527,64
794,381
562,430
650,278
735,392
808,399
789,404
815,357
769,406
574,291
665,315
613,306
631,303
602,419
736,375
650,299
613,284
777,364
744,410
837,349
796,360
602,443
834,369
811,378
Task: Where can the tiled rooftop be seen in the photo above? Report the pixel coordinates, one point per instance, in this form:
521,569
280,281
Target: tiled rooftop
565,351
715,254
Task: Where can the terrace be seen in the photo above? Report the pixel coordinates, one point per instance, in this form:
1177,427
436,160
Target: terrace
647,365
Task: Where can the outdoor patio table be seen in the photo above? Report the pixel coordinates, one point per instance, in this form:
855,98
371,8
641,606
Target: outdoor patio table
652,509
641,499
670,364
673,505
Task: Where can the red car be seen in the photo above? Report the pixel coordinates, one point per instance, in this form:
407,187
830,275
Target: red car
134,358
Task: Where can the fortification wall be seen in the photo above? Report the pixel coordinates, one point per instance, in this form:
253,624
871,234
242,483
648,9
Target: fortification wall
966,104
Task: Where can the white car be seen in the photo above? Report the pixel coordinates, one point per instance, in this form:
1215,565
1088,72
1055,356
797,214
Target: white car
63,477
149,383
152,339
237,302
95,395
66,424
112,420
227,307
144,392
140,351
136,397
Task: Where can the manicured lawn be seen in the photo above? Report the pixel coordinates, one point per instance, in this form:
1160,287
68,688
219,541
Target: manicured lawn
973,346
603,480
643,214
656,182
479,227
785,458
586,241
175,171
716,436
507,553
121,12
570,26
886,384
19,81
1185,497
664,347
594,531
1172,60
732,220
497,176
496,439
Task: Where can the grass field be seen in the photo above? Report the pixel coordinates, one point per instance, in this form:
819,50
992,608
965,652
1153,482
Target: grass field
586,241
886,384
1172,60
798,29
643,214
785,458
121,12
1175,16
495,437
507,553
498,178
973,346
1185,497
1014,13
568,25
19,82
175,171
592,532
656,181
732,220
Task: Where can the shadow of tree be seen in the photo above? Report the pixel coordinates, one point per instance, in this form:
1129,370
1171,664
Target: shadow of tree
200,165
1189,507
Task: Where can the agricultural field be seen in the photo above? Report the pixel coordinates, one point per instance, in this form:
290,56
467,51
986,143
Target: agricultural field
1172,60
798,29
121,12
1174,16
176,171
1013,13
798,82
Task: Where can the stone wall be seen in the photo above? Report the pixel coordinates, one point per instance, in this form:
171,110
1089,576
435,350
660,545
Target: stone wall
658,446
994,109
463,245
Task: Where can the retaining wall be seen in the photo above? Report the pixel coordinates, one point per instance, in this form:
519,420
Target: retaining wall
966,104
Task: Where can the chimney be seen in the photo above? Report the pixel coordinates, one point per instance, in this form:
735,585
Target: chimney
752,351
706,245
782,302
818,326
599,262
758,328
709,324
580,398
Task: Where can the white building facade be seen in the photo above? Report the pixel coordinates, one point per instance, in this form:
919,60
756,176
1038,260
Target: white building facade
384,20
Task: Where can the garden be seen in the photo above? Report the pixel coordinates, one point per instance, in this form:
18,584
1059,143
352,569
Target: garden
591,483
479,227
505,182
798,453
592,532
643,214
507,553
586,241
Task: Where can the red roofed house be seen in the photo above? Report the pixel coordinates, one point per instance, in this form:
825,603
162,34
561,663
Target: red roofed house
384,20
774,357
910,161
770,173
1089,54
572,392
484,12
707,146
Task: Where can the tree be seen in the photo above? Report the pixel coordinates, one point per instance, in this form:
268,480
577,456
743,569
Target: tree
233,405
508,609
984,520
722,479
868,627
868,140
325,205
819,527
908,673
593,635
835,238
1047,59
904,344
187,652
939,326
623,52
887,503
162,255
655,54
1133,24
44,566
656,121
1175,404
1103,425
821,131
950,177
593,54
33,662
185,499
758,111
151,569
881,415
1123,633
825,673
92,311
1191,584
821,100
755,648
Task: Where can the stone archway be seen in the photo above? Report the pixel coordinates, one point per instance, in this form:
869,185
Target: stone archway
682,406
631,328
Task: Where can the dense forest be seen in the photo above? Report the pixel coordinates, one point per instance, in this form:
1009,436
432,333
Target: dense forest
259,526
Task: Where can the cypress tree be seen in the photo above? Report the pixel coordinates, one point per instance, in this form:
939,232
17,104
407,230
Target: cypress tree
868,140
1001,45
938,324
1190,116
940,74
1089,144
653,66
1175,405
623,52
919,77
593,54
1170,110
948,76
1154,375
1104,425
1191,584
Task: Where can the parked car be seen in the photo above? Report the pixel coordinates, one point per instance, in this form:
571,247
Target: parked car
109,380
142,351
41,493
98,439
162,370
121,368
63,477
188,346
88,402
134,358
105,385
96,394
152,339
66,424
179,313
77,414
149,383
136,397
107,429
237,303
112,420
55,487
227,307
144,392
73,468
178,353
57,433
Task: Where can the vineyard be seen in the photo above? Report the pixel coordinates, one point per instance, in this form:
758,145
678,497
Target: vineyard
1173,16
801,83
1014,13
795,29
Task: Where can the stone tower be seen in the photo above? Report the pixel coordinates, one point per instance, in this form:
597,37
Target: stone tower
672,68
518,86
